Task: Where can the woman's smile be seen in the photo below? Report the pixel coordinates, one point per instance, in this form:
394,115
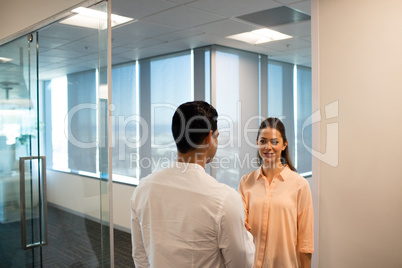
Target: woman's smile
271,145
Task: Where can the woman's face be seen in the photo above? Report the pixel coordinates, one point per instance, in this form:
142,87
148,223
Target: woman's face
270,146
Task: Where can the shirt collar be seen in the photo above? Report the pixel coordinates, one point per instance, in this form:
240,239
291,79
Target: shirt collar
186,166
283,175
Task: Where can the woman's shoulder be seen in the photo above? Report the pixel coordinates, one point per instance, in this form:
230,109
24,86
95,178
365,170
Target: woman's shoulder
253,175
299,179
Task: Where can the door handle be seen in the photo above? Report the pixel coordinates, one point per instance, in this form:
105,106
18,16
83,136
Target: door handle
42,203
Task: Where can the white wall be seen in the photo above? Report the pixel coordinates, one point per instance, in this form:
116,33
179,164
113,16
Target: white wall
81,195
121,206
360,65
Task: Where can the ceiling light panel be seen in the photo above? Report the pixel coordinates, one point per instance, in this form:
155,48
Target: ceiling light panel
94,19
259,36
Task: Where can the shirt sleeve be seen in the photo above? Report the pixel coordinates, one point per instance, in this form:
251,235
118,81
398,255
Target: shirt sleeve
235,242
305,220
139,254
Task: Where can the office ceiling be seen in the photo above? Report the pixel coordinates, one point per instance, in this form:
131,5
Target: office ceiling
166,26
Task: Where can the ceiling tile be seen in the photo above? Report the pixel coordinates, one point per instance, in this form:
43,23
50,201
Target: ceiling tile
66,32
226,27
295,29
61,53
120,50
86,45
145,43
183,17
51,58
292,58
181,2
303,6
183,34
51,42
123,58
286,45
233,8
166,26
140,30
138,9
286,2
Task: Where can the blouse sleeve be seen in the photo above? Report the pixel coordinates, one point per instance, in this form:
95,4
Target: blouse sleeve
305,220
245,203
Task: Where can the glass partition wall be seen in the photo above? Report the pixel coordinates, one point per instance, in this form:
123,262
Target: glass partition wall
159,61
53,113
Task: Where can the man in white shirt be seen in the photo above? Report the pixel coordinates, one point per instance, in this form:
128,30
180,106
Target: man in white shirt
181,216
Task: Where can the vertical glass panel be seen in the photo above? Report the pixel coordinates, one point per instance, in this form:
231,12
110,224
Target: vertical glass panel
73,75
19,138
304,136
103,138
170,87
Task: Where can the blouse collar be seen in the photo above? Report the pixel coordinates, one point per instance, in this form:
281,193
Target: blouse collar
282,175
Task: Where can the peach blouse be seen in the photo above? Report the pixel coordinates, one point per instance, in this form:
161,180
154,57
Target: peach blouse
280,217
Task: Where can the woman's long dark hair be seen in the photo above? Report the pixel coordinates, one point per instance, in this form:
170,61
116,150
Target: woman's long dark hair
273,122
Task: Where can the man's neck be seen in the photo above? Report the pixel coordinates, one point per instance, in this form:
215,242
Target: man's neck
194,157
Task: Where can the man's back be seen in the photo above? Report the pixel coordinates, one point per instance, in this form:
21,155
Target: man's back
182,217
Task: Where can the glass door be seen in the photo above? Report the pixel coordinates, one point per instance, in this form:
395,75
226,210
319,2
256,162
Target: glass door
22,178
54,210
74,91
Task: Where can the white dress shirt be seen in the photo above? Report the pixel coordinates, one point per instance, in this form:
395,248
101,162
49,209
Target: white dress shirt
182,217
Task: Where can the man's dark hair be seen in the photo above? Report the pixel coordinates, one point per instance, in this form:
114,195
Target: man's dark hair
191,124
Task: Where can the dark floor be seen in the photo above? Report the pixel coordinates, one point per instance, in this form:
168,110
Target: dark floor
73,241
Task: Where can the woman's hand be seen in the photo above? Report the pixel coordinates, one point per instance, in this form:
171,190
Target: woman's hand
305,260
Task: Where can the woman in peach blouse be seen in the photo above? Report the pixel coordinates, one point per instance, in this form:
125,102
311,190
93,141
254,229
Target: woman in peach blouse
277,203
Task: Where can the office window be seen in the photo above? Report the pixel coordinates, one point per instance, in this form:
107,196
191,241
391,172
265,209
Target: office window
125,122
289,99
72,128
145,95
81,97
57,93
227,100
171,85
280,98
303,136
236,94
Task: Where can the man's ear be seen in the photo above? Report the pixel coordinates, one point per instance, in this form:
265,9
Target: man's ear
209,138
